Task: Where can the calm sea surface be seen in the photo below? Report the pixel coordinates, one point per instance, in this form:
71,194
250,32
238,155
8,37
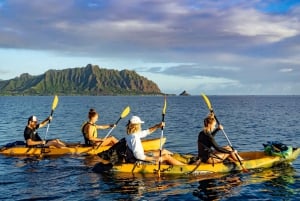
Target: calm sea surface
248,121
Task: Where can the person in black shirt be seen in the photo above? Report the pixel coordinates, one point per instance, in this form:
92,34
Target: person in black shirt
31,136
206,142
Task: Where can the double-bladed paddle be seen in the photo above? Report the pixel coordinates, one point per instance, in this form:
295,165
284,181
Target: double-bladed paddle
125,112
206,100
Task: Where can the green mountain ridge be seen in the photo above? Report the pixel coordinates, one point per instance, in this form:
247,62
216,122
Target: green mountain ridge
89,80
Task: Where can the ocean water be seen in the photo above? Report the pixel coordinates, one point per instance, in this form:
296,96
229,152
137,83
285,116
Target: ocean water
248,121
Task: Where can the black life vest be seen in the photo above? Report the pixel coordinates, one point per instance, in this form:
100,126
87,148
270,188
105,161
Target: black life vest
87,141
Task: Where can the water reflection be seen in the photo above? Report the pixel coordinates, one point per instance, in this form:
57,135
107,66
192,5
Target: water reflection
129,186
90,161
268,184
143,186
70,176
276,182
217,188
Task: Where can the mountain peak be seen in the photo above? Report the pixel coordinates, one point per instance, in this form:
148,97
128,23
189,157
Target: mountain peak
89,80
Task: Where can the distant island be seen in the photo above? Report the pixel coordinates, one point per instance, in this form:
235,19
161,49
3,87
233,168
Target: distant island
184,93
89,80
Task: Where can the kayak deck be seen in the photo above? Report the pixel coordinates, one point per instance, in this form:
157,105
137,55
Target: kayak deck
79,149
252,160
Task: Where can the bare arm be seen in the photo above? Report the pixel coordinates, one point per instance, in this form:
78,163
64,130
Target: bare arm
155,127
217,147
45,122
32,143
106,126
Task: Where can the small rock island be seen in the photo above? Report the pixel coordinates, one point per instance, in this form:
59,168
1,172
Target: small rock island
184,93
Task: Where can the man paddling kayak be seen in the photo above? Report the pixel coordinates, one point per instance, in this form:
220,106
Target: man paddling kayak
32,137
206,141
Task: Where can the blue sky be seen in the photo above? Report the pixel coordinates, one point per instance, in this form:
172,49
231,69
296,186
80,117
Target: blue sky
217,47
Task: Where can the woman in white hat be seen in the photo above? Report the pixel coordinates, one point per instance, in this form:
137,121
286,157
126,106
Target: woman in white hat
32,137
133,140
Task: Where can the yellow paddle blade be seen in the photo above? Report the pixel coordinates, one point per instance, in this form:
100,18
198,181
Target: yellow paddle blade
55,102
165,106
125,112
207,101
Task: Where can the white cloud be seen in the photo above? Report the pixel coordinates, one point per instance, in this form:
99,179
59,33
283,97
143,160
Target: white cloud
227,68
286,70
268,28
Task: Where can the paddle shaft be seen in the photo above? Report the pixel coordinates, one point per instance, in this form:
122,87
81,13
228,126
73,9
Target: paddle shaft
125,112
51,114
109,132
162,135
162,132
236,155
160,147
43,146
54,105
222,130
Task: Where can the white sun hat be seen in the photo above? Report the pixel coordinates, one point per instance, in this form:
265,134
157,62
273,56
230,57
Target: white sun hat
136,120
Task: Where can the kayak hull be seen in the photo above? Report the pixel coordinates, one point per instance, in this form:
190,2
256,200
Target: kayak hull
149,144
252,160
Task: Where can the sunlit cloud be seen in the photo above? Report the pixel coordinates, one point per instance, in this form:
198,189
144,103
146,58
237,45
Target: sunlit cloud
286,70
268,28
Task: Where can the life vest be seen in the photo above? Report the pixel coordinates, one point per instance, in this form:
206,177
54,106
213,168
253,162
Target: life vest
87,141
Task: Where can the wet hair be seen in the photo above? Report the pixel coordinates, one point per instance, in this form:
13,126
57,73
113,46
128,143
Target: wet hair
92,113
210,119
132,128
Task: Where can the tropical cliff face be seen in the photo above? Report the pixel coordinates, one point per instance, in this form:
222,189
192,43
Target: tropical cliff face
89,80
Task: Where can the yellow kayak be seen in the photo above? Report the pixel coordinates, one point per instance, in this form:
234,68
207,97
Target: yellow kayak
252,160
21,150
